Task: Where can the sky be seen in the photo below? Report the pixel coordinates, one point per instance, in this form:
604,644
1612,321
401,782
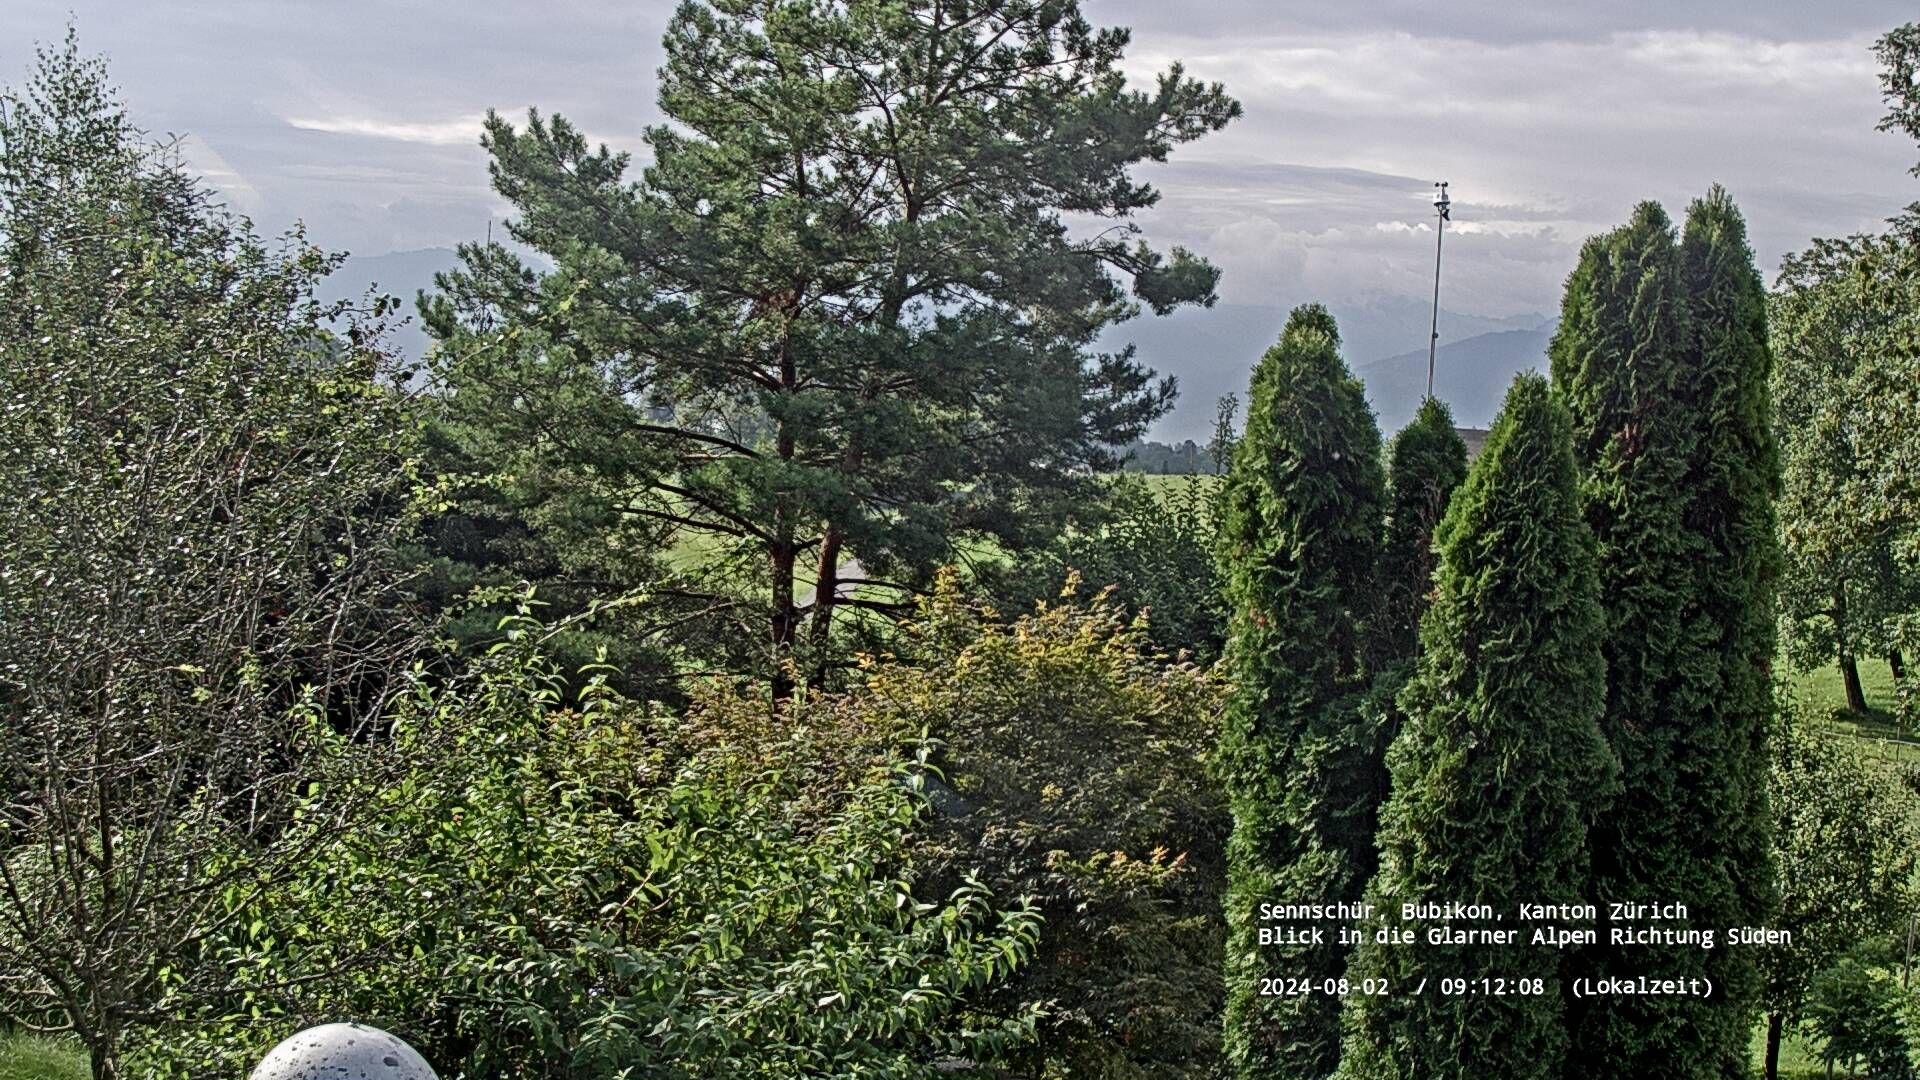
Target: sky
1550,120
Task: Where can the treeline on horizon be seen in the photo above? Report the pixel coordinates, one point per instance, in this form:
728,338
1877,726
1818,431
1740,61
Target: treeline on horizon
740,650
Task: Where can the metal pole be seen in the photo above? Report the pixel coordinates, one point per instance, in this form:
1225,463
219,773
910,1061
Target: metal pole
1440,204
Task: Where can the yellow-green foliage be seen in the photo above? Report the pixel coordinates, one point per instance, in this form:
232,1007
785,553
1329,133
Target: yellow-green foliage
1071,771
577,887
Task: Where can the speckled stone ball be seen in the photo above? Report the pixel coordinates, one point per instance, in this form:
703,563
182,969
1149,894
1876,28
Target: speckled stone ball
343,1052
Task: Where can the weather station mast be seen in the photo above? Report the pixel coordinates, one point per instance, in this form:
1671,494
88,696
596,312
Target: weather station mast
1440,205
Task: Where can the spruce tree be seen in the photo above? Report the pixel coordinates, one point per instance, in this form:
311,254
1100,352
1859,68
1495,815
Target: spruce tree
1427,461
1499,769
1303,506
1661,358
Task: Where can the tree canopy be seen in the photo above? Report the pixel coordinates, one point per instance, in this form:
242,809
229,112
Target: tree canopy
205,482
841,313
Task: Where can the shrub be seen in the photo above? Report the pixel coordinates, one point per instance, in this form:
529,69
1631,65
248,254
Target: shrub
574,889
1860,1015
1070,770
1154,548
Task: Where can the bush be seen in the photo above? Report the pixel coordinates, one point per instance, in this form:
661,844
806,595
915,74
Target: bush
1154,548
1861,1015
1071,771
576,889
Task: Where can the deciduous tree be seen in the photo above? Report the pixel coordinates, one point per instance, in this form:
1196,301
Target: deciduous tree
203,487
1845,844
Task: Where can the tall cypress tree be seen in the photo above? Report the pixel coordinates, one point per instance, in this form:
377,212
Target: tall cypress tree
1661,358
1500,767
1303,509
1617,363
1733,479
1427,461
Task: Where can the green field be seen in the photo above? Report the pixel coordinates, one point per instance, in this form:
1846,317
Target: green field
1164,483
1875,678
1879,731
32,1057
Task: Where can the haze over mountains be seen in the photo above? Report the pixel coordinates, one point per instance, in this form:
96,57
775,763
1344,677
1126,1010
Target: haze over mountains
1211,351
1384,338
1471,376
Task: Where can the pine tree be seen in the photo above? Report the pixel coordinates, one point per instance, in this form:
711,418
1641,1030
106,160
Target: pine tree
1661,358
840,294
1428,460
1500,768
1303,509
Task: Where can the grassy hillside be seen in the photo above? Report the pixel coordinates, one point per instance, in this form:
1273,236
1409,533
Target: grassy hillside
1875,678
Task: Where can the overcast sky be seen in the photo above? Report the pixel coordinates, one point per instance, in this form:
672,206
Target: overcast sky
1550,120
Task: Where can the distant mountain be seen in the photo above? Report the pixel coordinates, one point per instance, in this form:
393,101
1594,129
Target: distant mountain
1471,376
1212,350
398,273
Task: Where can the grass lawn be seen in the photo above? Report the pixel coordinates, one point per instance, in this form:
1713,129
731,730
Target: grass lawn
32,1057
1797,1059
1879,732
1165,484
1875,678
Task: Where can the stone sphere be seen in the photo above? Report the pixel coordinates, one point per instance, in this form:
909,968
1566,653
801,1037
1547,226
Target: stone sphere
343,1052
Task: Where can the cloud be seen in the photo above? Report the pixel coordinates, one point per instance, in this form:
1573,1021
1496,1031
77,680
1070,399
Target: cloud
460,132
1551,119
1545,141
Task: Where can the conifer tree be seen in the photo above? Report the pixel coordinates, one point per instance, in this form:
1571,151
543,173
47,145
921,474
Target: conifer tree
1661,358
1500,767
840,293
1733,481
1303,508
1617,364
1428,460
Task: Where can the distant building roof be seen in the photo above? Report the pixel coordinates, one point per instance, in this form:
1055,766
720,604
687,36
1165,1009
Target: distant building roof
1475,438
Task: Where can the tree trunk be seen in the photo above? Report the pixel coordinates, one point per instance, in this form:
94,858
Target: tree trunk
103,1057
786,621
1775,1024
825,594
1850,675
781,553
1897,663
